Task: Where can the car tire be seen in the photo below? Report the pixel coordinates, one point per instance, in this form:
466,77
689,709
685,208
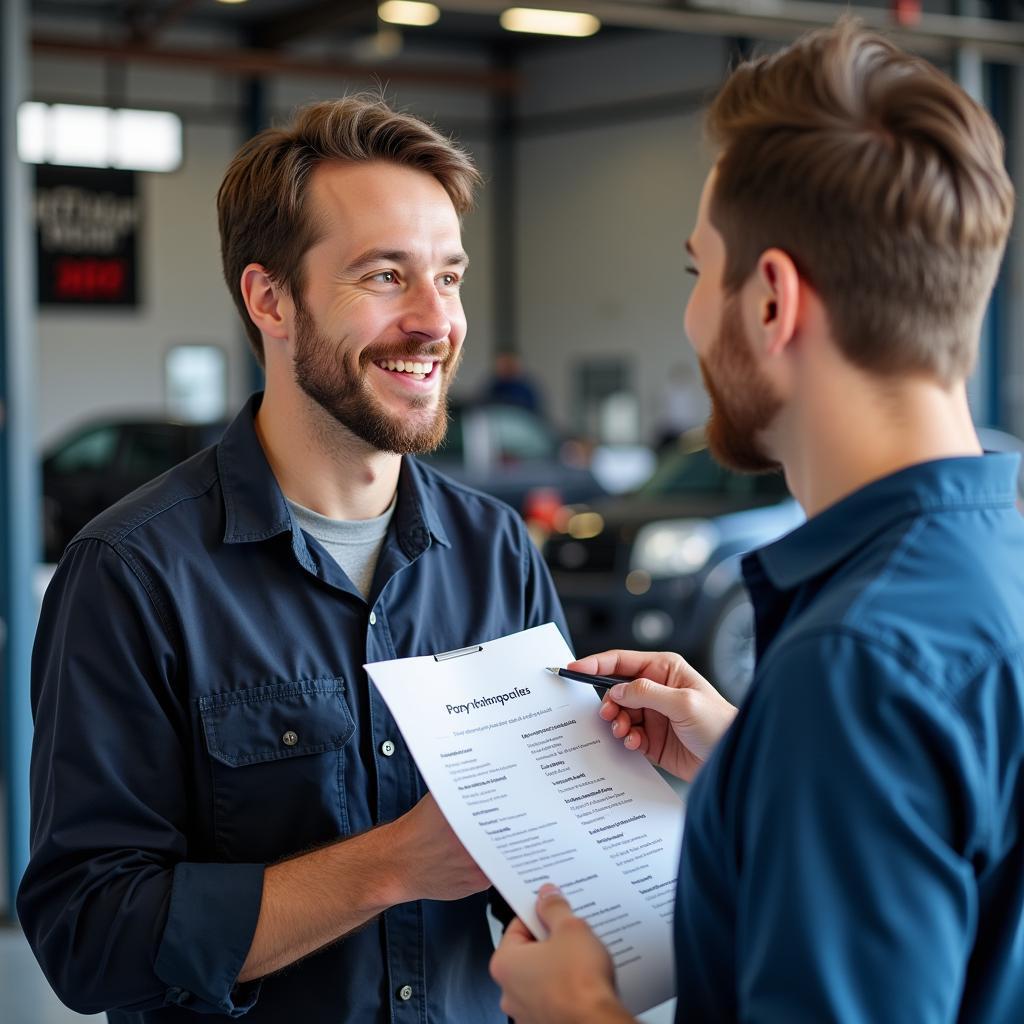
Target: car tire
730,649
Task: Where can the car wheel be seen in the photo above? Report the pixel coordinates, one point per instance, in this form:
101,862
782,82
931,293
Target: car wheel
730,657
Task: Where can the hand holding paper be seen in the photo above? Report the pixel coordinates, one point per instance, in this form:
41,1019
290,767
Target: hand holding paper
538,791
567,978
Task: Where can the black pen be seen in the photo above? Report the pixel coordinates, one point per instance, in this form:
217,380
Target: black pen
601,682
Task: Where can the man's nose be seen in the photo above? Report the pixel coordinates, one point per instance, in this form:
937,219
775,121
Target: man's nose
426,313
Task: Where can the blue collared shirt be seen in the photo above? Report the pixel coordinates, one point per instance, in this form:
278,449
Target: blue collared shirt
201,711
854,849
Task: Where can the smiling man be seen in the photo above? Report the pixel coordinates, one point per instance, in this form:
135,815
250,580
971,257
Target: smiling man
217,791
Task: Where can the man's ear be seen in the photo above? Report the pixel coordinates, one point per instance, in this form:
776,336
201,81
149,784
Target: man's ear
268,304
777,294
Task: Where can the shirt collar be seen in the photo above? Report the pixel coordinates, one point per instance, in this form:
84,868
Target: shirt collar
832,535
255,509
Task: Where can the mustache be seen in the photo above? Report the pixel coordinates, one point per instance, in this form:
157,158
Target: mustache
412,349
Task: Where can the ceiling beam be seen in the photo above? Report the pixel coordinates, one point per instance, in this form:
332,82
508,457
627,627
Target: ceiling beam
162,20
319,16
935,35
268,62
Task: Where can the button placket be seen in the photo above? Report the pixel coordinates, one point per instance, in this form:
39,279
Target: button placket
405,993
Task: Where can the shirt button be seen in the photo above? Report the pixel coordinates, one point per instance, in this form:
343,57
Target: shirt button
289,739
387,748
405,993
373,622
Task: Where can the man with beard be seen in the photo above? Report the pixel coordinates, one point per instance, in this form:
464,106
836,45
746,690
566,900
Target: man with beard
217,791
855,834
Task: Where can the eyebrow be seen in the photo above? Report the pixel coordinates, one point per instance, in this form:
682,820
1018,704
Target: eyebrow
375,256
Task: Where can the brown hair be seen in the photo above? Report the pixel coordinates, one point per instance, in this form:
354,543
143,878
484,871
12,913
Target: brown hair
262,206
884,182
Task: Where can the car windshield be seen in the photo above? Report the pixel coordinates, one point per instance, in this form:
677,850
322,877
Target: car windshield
696,472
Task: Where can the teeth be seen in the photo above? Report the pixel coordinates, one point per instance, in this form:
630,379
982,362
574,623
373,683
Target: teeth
418,370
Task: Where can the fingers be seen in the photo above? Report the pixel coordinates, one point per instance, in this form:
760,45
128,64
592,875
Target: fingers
661,666
552,907
516,934
674,704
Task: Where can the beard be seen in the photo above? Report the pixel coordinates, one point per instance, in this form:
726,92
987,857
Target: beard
338,383
743,402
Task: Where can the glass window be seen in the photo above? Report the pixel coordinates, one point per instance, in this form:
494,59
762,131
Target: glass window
687,473
518,436
195,382
149,451
94,449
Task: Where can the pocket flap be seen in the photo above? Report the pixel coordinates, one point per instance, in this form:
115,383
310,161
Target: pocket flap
268,723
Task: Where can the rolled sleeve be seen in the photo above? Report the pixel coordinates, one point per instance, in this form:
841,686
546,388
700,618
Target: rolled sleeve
210,925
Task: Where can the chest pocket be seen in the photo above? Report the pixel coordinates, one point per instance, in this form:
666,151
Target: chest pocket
277,764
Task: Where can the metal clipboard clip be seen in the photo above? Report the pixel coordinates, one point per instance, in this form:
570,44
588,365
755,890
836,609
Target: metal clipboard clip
461,652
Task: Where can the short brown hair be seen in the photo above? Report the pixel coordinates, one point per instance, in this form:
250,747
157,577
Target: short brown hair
261,206
884,182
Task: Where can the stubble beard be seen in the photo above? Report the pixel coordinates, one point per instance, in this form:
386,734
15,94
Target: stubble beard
743,402
338,384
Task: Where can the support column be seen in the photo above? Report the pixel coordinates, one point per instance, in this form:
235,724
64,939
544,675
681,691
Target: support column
19,478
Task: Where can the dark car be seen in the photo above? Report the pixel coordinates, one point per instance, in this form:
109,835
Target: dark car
659,568
97,464
514,454
503,450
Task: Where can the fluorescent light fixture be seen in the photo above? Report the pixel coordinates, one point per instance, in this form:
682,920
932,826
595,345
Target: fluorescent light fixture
408,12
79,136
145,140
232,1
548,23
32,132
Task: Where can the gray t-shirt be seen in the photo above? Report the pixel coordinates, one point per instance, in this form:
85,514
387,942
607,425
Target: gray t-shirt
353,543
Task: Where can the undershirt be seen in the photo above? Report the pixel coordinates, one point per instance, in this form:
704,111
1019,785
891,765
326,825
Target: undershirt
353,543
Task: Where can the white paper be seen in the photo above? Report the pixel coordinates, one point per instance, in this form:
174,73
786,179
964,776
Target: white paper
538,790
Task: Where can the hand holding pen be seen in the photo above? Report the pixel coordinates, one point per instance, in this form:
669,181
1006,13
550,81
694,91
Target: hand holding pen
658,705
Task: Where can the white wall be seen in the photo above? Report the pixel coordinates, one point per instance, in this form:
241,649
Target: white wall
604,210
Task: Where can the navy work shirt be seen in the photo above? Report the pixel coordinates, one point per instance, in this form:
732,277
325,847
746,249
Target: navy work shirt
854,849
201,711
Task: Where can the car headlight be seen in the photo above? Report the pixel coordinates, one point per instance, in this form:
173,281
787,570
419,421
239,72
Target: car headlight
673,547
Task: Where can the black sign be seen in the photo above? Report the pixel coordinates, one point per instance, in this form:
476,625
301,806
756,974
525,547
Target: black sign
86,227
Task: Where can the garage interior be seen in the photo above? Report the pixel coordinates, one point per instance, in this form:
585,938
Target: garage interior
593,159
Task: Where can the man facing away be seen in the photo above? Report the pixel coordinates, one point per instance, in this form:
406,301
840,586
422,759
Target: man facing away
854,845
217,791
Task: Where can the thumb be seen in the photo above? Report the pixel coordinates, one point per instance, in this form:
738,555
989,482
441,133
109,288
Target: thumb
552,907
669,701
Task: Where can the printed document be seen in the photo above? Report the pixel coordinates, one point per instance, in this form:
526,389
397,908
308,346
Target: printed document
538,790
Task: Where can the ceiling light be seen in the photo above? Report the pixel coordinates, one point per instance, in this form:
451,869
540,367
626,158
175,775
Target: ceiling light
408,12
549,23
232,1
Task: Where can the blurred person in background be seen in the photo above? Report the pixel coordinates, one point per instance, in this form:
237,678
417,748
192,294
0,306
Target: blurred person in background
217,791
511,385
855,834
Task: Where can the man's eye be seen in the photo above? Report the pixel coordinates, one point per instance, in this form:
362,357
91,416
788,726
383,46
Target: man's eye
694,271
386,276
450,280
